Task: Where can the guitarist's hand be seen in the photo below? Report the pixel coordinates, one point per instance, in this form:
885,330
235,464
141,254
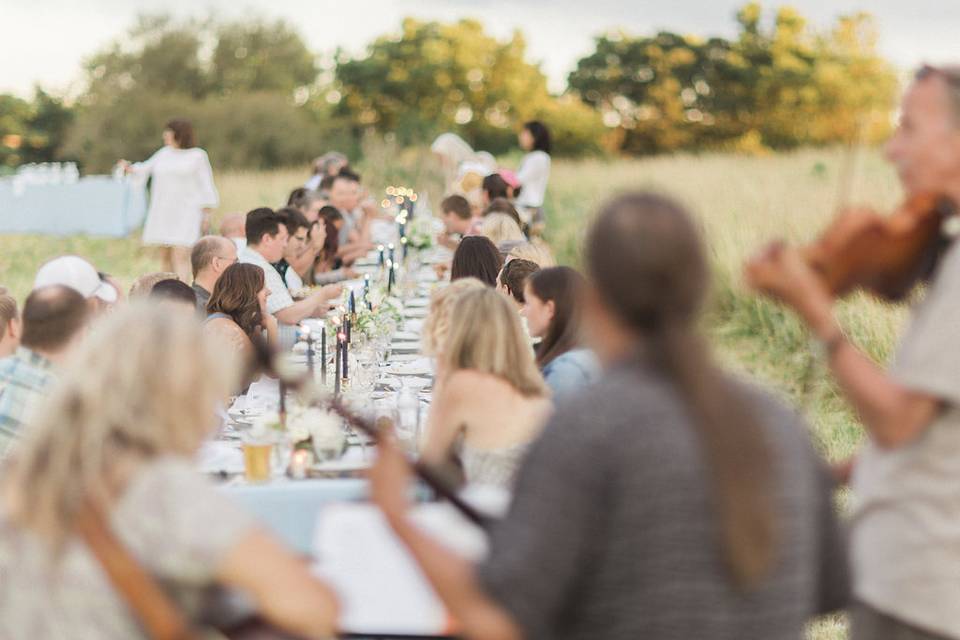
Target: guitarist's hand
390,478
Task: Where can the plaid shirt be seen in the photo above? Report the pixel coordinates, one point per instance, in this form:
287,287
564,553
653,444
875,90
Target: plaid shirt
24,378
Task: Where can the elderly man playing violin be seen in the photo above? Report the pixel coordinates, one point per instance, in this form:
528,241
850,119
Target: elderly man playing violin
905,529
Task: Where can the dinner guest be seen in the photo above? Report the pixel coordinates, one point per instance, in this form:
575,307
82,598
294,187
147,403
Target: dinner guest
298,244
553,305
437,323
53,321
209,258
329,164
355,233
501,229
175,294
82,277
9,324
237,314
504,206
535,251
476,257
490,401
266,241
143,285
232,228
182,194
513,278
671,501
458,220
120,436
307,202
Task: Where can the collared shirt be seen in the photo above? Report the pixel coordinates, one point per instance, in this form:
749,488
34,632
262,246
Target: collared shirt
25,377
203,297
279,297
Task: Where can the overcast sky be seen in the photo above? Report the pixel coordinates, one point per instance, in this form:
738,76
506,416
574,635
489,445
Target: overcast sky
44,41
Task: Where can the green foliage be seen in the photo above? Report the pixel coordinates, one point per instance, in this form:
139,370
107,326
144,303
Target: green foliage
31,131
772,87
437,77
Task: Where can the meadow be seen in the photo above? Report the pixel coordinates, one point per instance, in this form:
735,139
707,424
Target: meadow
740,201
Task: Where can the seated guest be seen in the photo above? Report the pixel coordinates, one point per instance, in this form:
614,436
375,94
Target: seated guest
504,206
494,186
534,251
502,230
513,278
298,246
437,323
117,441
673,501
9,324
307,202
82,277
266,241
232,228
327,267
457,219
209,258
327,165
53,322
553,303
176,294
143,285
238,314
476,257
355,234
490,397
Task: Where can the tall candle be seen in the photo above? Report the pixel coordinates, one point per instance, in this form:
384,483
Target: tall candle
404,243
390,279
346,359
380,249
306,333
391,247
283,402
353,303
323,354
336,374
349,329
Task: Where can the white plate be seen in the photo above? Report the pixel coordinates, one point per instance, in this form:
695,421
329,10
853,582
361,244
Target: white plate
414,368
416,303
406,336
415,313
405,347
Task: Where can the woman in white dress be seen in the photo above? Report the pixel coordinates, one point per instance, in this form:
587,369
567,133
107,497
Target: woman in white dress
534,173
181,195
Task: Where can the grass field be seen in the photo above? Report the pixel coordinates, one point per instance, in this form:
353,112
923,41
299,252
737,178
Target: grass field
741,201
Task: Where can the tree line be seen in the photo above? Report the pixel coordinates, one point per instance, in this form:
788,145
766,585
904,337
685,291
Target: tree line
260,98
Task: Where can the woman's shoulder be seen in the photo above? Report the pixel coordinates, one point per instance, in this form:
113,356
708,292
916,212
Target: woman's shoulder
223,327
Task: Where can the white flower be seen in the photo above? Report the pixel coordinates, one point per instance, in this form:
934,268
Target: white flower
262,426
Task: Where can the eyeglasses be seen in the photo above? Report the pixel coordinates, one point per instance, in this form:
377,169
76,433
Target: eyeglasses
233,260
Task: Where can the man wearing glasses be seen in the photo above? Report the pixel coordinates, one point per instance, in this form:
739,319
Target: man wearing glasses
210,257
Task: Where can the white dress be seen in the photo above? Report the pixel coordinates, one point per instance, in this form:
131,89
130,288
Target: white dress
533,175
182,187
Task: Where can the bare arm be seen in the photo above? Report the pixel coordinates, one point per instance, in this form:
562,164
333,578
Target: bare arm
281,585
893,414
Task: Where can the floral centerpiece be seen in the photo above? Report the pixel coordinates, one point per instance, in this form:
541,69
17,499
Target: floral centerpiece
420,233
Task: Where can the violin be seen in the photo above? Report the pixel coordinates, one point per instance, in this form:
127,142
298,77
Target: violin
885,255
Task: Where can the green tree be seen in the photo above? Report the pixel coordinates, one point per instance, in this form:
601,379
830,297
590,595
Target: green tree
32,131
260,56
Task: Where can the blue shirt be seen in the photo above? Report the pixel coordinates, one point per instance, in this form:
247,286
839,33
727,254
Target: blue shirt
25,378
571,371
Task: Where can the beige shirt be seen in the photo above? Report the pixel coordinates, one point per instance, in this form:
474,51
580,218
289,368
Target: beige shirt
906,522
172,519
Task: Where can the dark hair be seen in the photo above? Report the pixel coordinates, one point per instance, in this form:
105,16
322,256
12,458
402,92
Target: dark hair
262,221
456,205
329,216
541,135
326,182
182,133
504,206
235,294
51,317
476,257
8,309
564,287
495,186
647,264
293,219
301,198
347,174
174,290
515,274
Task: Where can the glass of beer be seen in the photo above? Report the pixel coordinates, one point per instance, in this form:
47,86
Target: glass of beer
256,460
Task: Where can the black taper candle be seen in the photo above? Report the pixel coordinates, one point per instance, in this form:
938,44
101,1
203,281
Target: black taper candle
310,355
353,303
390,278
349,324
323,354
336,372
346,357
283,402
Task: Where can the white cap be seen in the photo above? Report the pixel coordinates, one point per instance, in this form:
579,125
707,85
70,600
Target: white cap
76,273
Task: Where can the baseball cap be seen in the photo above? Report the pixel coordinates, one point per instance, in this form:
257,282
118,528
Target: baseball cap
76,273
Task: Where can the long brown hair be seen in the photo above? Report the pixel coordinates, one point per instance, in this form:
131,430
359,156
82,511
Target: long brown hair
647,263
182,133
564,287
235,294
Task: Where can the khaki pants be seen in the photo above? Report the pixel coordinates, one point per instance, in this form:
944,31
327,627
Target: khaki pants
866,623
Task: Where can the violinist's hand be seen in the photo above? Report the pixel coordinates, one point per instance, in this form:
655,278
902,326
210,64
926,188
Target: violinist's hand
390,478
779,271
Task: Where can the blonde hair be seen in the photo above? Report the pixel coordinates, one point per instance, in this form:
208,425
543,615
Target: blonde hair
500,227
485,335
437,323
535,251
144,284
8,309
144,384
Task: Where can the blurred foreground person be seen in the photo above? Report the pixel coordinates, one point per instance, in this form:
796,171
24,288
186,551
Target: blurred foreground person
905,531
670,501
53,321
118,437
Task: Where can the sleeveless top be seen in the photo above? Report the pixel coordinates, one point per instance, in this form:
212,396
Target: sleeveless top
493,467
